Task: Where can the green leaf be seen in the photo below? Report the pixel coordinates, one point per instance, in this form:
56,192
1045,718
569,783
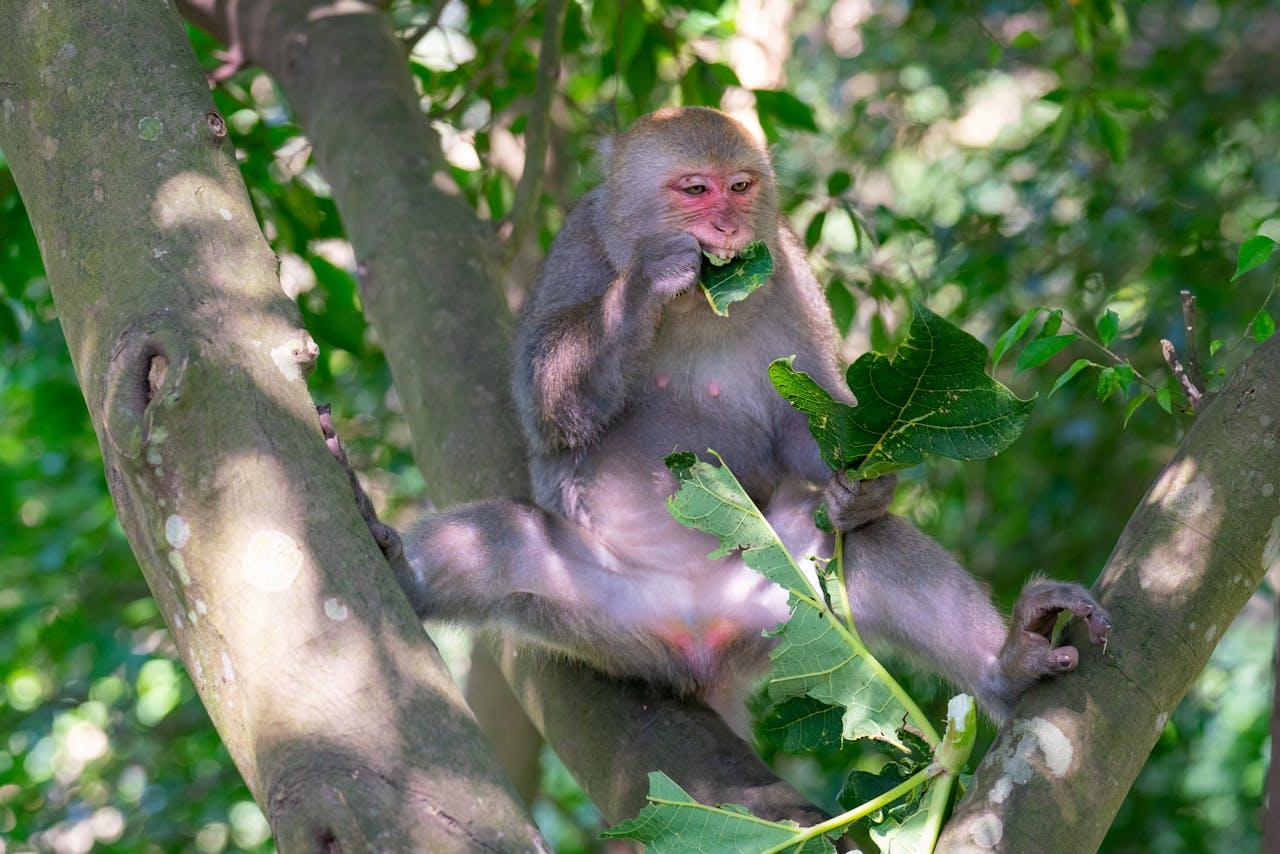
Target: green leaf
1115,136
1254,252
1052,324
728,283
1108,383
1041,350
1126,99
1025,40
816,658
813,233
842,306
1014,334
710,499
838,182
785,109
805,725
932,397
1133,407
1215,345
1108,327
1164,399
674,823
1262,326
1065,377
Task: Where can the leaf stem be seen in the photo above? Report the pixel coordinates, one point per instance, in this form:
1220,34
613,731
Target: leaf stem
858,812
940,797
844,610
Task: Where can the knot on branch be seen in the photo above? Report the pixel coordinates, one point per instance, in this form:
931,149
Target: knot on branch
145,373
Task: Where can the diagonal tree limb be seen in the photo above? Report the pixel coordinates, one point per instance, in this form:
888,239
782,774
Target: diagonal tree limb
1192,554
341,718
429,290
524,208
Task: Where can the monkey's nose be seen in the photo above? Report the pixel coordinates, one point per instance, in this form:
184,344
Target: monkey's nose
726,228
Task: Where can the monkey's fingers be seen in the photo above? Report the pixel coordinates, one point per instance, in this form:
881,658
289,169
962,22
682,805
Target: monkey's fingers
387,538
1042,601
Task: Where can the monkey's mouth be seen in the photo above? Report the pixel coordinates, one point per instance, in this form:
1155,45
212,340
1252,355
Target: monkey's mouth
718,255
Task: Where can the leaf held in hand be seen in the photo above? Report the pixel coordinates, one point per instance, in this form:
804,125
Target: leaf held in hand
932,397
738,278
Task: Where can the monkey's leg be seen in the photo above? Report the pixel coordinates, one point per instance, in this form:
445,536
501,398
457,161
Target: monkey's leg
515,565
907,591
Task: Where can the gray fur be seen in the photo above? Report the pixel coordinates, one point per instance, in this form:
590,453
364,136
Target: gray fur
618,362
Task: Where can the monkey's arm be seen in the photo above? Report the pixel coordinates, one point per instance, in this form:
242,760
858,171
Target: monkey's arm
579,348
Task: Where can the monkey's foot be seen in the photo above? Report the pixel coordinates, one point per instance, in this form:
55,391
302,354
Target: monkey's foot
387,538
1029,652
853,503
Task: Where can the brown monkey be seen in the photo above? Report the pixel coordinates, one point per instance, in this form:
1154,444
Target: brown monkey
618,362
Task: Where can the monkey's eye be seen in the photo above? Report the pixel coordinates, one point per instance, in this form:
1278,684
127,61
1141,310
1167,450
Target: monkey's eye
695,189
740,186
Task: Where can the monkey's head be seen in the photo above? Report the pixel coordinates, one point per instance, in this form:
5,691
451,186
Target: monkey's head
691,169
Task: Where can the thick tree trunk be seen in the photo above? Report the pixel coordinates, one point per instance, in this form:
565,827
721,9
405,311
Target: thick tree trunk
1191,556
439,313
325,690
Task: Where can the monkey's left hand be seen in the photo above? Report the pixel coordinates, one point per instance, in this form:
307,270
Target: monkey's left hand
853,503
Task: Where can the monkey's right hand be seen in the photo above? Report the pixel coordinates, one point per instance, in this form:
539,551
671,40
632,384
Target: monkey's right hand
670,263
854,503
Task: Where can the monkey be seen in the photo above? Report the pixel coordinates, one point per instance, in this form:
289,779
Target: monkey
618,361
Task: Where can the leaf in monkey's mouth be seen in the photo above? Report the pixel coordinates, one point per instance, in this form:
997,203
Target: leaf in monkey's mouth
728,280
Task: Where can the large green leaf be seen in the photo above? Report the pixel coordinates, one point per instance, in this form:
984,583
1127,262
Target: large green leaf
815,657
932,397
674,822
711,499
737,279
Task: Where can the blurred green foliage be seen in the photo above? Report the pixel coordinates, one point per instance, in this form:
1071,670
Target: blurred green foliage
981,157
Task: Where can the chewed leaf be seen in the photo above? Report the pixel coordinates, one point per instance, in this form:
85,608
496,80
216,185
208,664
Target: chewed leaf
932,397
725,283
674,822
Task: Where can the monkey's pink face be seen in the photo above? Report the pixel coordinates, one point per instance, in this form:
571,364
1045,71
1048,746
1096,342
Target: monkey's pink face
718,208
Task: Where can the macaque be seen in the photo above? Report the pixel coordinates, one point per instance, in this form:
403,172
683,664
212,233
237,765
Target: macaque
618,362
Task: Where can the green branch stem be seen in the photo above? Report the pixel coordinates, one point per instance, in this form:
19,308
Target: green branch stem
857,813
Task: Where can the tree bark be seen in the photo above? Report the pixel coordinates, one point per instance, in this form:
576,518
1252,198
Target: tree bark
1271,815
1191,556
437,307
328,695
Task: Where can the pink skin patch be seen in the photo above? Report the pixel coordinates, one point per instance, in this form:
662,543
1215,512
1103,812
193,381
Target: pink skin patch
713,388
716,207
700,646
663,380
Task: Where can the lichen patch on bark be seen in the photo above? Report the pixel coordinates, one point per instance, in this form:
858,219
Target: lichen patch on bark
271,561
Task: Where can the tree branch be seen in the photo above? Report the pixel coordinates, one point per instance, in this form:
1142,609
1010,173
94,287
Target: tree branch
524,208
192,363
438,310
1192,554
1189,329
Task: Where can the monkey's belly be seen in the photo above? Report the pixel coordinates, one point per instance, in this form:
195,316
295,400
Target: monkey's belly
711,615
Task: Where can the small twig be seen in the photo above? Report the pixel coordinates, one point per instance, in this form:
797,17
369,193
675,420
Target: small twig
1189,329
524,208
416,34
1189,388
1115,356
